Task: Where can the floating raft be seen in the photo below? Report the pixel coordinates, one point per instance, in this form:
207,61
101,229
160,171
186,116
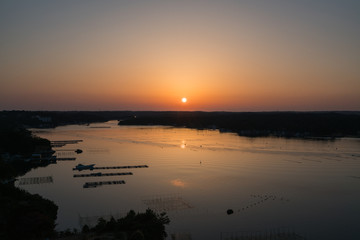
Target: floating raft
166,203
117,167
66,150
102,174
98,184
121,167
35,180
66,141
63,142
280,233
65,159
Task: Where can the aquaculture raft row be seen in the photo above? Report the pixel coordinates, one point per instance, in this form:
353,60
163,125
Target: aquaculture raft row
102,174
117,167
65,159
97,184
120,167
57,144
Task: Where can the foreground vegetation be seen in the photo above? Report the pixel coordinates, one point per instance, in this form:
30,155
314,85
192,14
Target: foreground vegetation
25,216
134,226
148,225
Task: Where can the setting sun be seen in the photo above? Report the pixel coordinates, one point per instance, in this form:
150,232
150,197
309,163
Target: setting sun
184,100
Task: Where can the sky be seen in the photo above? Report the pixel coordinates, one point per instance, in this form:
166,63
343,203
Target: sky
229,55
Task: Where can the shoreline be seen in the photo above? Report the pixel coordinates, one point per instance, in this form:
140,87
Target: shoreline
306,125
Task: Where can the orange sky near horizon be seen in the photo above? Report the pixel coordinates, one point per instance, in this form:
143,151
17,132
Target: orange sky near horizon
221,56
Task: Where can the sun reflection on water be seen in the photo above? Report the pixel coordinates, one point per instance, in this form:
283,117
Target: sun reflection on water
178,183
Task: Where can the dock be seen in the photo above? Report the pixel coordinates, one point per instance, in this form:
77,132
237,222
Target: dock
35,180
102,174
98,184
117,167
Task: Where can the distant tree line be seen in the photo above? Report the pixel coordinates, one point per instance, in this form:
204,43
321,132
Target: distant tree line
49,119
281,124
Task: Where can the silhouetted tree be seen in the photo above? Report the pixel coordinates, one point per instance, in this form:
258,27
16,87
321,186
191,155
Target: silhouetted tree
136,226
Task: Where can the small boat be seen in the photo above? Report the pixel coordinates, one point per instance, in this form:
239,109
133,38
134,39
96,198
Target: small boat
81,167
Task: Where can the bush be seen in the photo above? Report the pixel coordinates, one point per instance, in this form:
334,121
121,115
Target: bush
136,226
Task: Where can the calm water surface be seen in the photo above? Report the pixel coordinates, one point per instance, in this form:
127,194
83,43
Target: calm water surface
307,186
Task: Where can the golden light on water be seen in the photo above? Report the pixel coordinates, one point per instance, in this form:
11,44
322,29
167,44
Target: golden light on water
183,144
178,183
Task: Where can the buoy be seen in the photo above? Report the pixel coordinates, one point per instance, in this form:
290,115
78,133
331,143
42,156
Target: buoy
229,211
78,151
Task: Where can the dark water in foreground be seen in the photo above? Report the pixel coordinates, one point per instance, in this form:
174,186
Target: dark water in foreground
306,186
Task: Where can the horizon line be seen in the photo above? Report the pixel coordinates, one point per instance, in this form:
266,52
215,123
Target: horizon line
215,111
